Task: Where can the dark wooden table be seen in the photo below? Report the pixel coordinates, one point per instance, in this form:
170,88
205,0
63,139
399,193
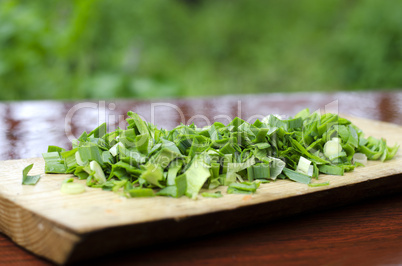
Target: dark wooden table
368,232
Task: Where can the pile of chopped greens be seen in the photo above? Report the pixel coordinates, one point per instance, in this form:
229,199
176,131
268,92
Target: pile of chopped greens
143,161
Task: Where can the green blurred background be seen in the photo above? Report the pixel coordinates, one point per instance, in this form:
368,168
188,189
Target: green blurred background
178,48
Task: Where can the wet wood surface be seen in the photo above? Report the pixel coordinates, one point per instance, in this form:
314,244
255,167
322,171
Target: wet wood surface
369,232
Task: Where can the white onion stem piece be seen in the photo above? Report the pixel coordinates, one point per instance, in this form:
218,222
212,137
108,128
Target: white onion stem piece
113,150
360,158
99,174
303,165
332,148
78,159
310,170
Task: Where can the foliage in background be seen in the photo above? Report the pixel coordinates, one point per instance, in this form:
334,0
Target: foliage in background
160,48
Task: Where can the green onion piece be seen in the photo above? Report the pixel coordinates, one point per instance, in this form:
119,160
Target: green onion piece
68,180
153,174
29,179
170,191
174,168
332,149
108,186
72,188
141,192
196,175
114,150
78,159
331,169
53,163
55,149
318,184
303,166
296,176
216,194
360,158
243,188
391,152
348,167
90,153
99,175
118,184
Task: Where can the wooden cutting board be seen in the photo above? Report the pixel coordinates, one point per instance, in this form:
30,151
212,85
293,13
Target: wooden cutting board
67,228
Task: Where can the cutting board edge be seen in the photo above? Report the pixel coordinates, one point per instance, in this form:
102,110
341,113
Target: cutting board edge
73,241
34,232
154,233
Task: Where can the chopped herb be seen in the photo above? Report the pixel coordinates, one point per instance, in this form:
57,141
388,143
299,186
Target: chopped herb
141,192
296,176
318,184
216,194
144,161
304,166
29,179
359,158
69,187
243,188
331,169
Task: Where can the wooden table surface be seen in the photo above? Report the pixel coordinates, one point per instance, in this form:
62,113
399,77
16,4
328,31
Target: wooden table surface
368,232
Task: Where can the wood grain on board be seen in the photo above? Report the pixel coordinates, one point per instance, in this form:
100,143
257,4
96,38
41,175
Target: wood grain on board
66,228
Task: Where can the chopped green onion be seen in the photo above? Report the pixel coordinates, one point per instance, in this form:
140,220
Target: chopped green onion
99,175
141,192
332,149
310,171
216,194
53,163
243,188
331,169
318,184
29,179
296,176
142,160
72,188
304,166
113,150
78,159
360,158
